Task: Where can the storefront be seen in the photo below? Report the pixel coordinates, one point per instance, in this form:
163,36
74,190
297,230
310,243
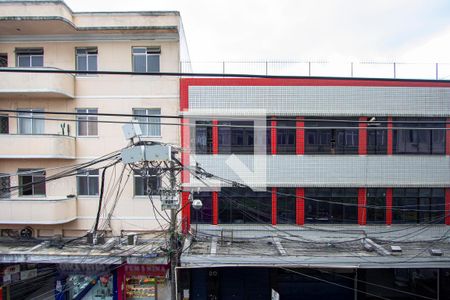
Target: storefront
143,282
86,282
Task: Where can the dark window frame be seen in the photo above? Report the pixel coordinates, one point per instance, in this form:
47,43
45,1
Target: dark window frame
141,183
320,210
35,57
421,140
148,53
86,53
331,139
87,177
90,121
32,182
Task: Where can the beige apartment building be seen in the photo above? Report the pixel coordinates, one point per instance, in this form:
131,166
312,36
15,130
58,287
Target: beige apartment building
35,144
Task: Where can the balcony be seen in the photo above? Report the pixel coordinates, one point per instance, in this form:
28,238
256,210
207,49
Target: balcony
16,146
36,85
48,210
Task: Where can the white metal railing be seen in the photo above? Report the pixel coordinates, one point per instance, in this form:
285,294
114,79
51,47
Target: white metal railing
366,69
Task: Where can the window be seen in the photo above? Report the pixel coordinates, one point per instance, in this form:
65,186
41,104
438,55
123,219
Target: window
3,60
86,59
29,58
376,202
87,182
203,215
31,122
149,120
336,205
5,186
148,183
240,205
202,133
286,137
286,202
146,59
423,136
4,124
31,182
236,137
377,138
338,137
418,205
87,124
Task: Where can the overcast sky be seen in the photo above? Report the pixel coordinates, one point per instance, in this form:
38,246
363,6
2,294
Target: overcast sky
332,30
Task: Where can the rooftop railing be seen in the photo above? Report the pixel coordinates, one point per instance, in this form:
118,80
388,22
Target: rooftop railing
393,70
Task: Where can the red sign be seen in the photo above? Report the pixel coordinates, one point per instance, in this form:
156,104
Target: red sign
149,270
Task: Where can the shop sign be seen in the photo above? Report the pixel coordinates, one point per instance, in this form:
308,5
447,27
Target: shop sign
83,269
11,269
149,270
28,274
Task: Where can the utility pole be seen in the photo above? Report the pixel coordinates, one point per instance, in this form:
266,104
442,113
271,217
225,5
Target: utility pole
158,153
173,234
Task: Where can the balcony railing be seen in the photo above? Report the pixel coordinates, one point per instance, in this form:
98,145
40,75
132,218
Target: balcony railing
18,146
36,85
48,210
394,70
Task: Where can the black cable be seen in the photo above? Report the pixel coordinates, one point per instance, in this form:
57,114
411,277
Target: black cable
227,118
218,75
102,187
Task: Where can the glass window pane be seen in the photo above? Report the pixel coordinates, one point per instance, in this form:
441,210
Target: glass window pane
153,63
140,50
139,64
92,63
23,61
82,185
25,124
37,61
81,63
93,185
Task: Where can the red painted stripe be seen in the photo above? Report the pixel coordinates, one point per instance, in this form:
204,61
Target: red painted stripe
362,138
185,212
184,94
390,137
274,206
215,208
362,210
273,136
215,137
310,82
300,206
447,206
389,206
300,136
447,138
185,159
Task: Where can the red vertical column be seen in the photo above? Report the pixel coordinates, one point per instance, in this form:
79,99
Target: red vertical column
215,137
185,176
362,210
121,288
215,208
300,136
273,136
447,206
447,137
300,206
274,206
185,159
362,138
389,206
390,137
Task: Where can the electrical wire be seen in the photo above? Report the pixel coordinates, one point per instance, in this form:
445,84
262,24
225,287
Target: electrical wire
185,124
